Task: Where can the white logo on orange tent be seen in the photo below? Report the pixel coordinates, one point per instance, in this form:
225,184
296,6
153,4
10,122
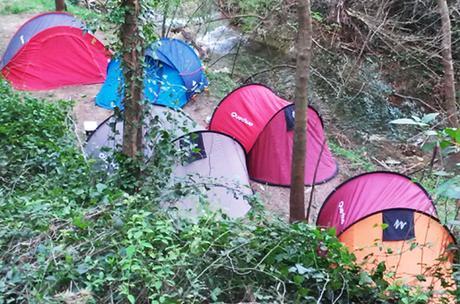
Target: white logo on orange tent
399,224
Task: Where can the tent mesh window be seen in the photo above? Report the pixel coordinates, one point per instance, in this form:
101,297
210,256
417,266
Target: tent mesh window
289,114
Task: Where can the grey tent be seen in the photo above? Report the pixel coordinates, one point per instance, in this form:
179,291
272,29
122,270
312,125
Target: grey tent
108,136
216,163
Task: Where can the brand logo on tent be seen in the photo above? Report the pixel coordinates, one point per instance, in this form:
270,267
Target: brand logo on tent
342,212
399,224
242,119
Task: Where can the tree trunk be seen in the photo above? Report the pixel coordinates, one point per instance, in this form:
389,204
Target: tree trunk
132,51
304,41
60,5
165,17
449,77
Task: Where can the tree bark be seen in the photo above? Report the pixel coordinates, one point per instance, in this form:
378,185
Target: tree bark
60,5
304,42
165,17
449,76
132,52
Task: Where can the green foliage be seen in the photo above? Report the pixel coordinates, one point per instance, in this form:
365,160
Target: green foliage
114,16
221,84
317,16
28,6
255,5
68,234
45,181
405,295
446,184
442,181
38,6
416,121
29,130
450,188
357,157
252,11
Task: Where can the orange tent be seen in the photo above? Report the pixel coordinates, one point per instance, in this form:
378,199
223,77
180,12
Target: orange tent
419,260
373,217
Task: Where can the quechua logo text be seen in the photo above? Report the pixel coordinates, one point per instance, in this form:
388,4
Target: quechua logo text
242,119
399,224
342,212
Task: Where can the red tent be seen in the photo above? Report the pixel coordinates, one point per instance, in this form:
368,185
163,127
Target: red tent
263,123
53,50
244,113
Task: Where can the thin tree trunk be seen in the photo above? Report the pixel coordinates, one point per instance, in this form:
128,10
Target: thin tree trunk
165,17
449,76
60,5
304,41
132,52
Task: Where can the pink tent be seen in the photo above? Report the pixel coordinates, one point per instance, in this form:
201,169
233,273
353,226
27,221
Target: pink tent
263,123
244,113
368,193
276,142
385,217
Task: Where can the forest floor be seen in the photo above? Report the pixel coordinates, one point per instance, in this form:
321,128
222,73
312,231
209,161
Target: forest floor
275,199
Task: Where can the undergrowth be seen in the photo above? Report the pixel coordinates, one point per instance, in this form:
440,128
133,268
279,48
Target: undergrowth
222,84
40,6
71,234
355,157
445,207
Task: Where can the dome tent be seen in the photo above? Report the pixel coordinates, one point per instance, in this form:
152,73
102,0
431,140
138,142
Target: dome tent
211,160
386,217
215,162
173,74
263,123
108,136
274,146
52,50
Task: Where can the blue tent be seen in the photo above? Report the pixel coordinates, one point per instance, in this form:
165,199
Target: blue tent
173,74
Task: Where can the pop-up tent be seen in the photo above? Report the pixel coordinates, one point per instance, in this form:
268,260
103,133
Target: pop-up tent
108,136
263,123
215,163
53,50
173,74
209,161
386,217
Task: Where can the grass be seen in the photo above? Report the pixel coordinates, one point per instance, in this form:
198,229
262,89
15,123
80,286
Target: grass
356,158
39,6
18,6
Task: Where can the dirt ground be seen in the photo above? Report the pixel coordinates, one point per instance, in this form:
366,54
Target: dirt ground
200,109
